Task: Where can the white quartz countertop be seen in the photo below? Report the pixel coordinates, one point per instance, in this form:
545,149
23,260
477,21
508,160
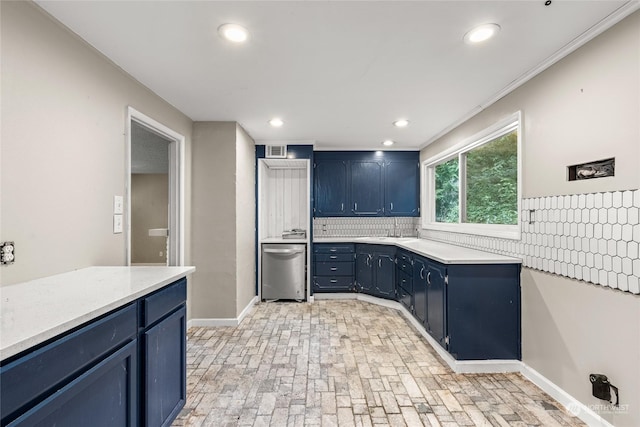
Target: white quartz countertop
35,311
437,251
281,240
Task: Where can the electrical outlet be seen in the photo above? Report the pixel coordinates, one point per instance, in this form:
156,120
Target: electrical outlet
117,224
7,253
160,254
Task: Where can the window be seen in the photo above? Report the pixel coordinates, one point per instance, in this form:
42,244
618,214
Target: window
475,186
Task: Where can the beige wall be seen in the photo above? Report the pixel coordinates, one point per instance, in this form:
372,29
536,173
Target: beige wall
149,209
586,107
63,145
245,218
223,220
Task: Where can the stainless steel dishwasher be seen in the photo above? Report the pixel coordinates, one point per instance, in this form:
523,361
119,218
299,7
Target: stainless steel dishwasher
283,271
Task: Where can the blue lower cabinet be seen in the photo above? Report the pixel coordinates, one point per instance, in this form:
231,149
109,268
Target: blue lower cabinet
419,274
165,369
375,270
126,368
104,396
436,297
333,267
483,311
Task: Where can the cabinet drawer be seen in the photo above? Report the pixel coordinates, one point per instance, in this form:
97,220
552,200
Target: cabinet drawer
333,257
333,248
334,269
332,283
405,281
34,376
405,266
156,305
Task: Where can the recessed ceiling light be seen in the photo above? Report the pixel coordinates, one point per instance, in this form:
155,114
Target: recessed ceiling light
233,32
400,123
276,122
481,33
388,143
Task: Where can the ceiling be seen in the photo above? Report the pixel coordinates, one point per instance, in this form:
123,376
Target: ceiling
337,72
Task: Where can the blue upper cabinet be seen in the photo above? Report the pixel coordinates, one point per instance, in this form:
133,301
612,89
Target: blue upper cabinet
366,183
331,188
367,188
401,188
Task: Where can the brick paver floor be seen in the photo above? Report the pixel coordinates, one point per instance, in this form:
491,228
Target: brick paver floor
344,363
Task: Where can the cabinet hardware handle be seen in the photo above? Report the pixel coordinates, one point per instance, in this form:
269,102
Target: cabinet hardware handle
422,271
379,262
355,206
429,278
333,281
391,205
332,257
334,268
341,207
332,250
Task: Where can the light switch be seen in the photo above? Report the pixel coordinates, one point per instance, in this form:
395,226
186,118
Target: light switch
118,204
117,224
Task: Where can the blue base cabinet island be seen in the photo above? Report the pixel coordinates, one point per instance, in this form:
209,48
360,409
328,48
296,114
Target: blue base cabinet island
126,368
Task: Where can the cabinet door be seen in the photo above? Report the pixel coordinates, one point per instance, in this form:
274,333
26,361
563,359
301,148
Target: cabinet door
401,188
385,267
436,300
104,396
165,370
331,188
364,271
420,271
366,188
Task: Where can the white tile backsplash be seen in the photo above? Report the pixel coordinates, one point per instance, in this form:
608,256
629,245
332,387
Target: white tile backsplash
366,226
592,237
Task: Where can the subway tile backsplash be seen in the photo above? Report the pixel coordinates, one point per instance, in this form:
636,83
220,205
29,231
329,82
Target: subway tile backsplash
360,227
591,237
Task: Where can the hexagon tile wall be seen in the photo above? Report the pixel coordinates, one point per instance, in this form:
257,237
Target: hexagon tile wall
591,237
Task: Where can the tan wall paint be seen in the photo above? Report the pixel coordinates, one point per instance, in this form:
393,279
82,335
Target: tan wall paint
149,209
245,218
214,220
63,145
586,107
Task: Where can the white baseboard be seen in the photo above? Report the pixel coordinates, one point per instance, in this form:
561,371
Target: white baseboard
233,321
572,405
321,296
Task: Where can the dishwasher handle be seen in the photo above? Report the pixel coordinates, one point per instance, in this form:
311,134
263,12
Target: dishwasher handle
282,251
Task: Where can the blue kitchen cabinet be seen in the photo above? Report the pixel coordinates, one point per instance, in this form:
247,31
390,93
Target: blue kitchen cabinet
483,311
103,396
402,188
333,267
375,274
367,183
419,273
436,299
331,188
404,279
126,368
364,270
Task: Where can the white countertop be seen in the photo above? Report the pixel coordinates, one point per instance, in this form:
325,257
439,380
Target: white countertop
437,251
281,240
35,311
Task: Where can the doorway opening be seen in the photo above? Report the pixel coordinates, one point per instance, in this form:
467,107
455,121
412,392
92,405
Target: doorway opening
154,192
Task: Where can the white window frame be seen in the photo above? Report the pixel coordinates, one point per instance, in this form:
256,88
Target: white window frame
508,124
